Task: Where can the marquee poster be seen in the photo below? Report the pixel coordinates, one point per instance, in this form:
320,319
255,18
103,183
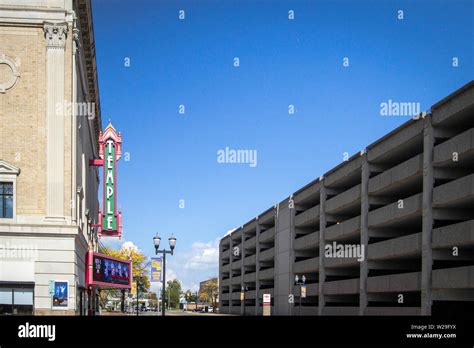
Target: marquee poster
108,271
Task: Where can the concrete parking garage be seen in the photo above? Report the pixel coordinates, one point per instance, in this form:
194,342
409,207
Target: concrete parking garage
408,199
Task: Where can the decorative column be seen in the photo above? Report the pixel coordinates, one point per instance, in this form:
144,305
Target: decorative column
55,35
427,220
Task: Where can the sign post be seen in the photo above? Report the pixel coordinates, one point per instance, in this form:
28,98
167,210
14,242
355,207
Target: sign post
302,294
267,304
51,292
51,287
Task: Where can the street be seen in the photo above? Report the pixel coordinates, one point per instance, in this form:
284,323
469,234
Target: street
170,313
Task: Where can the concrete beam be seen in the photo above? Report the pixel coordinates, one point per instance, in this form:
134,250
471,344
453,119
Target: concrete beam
460,234
341,310
310,241
344,272
454,278
462,145
453,295
453,214
455,193
447,255
391,215
397,141
451,173
450,110
389,181
402,265
267,235
385,232
339,175
385,311
396,248
342,287
308,218
348,229
338,204
404,282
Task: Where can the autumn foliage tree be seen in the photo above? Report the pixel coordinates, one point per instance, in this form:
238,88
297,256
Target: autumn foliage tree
209,292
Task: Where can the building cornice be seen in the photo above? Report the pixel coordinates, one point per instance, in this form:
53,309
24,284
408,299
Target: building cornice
83,10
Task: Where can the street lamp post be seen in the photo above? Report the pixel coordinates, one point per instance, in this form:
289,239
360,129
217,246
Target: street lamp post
156,242
197,296
301,284
137,295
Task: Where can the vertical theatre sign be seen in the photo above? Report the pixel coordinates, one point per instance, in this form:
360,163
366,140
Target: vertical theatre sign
110,151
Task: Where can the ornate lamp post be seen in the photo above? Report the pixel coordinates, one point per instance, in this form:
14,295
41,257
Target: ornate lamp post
156,242
301,284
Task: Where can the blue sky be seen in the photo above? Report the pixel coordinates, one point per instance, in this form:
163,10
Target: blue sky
283,62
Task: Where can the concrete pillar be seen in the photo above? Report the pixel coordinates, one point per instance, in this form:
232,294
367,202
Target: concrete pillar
364,233
55,35
322,243
283,257
427,221
276,310
231,246
257,260
220,276
291,260
242,282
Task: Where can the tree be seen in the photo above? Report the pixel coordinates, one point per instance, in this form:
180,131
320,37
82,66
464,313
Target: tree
209,293
173,292
190,296
153,298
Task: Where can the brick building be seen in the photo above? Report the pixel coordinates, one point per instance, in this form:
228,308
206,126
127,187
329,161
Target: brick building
49,124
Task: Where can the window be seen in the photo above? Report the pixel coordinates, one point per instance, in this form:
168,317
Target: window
6,200
6,301
8,175
16,299
23,301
